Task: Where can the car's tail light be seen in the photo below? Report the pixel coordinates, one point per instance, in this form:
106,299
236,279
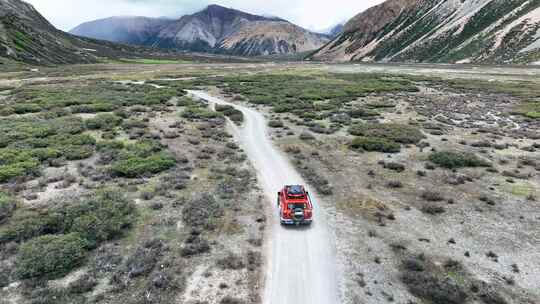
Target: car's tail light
287,214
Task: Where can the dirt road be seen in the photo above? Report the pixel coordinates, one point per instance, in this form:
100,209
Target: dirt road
301,266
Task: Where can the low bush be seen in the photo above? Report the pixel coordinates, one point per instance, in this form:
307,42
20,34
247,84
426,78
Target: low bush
434,289
454,160
200,113
97,218
93,108
101,217
399,133
194,246
7,206
306,136
231,261
137,166
11,171
395,167
202,212
103,121
134,123
26,224
235,115
275,124
432,196
24,108
50,256
362,113
72,152
433,209
144,259
186,102
374,144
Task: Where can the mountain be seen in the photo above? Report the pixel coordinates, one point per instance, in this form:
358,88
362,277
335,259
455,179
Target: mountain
215,29
130,30
334,31
481,31
28,37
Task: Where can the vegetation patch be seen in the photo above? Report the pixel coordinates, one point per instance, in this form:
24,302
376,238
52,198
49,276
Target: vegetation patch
314,96
399,133
97,218
103,121
198,112
50,256
27,143
454,160
235,115
275,124
374,144
141,159
7,206
203,212
136,166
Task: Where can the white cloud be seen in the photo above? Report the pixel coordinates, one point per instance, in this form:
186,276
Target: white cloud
312,14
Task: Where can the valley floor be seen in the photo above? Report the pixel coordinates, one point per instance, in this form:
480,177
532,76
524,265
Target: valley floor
427,176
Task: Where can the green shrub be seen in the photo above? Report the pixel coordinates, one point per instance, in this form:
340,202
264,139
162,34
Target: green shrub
453,160
375,144
26,224
68,139
21,165
275,124
72,152
144,148
103,121
100,217
134,123
43,154
137,166
24,108
186,102
403,134
362,113
235,115
200,113
108,145
50,256
93,108
7,206
533,115
7,111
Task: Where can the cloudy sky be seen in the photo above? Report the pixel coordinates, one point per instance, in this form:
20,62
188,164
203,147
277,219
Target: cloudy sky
312,14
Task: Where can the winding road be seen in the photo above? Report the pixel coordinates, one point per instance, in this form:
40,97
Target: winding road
301,264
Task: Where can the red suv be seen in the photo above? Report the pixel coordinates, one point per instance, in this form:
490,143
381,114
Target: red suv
295,206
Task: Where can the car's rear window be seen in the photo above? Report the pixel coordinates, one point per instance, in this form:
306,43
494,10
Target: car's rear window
297,206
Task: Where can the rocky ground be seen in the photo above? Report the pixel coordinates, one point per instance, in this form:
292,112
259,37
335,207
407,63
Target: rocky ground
408,230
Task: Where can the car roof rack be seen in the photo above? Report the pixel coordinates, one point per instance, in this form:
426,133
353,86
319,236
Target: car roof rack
295,190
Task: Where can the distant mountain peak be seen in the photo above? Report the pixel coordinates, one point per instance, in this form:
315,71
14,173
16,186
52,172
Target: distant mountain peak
214,29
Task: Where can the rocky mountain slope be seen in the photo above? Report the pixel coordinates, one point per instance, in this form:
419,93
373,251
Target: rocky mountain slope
130,30
28,37
484,31
215,29
334,30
